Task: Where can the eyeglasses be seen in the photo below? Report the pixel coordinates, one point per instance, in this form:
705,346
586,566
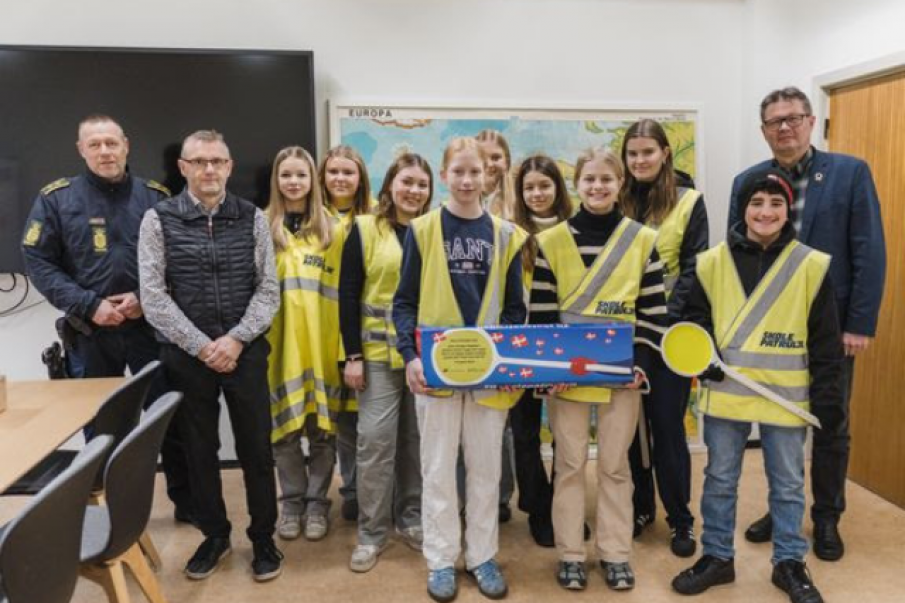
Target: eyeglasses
199,163
793,121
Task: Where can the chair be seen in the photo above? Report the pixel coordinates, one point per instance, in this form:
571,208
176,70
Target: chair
39,548
111,534
117,416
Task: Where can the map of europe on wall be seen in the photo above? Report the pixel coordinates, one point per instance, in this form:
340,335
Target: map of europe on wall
380,133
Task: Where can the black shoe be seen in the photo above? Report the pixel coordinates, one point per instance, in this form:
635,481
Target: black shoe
761,530
571,575
267,563
505,513
207,558
349,509
641,522
683,543
706,572
541,528
828,543
792,577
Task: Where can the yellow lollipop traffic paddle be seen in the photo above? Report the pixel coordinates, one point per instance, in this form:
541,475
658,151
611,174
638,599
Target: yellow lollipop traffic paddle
688,350
465,357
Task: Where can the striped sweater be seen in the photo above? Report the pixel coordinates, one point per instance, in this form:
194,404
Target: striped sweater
591,234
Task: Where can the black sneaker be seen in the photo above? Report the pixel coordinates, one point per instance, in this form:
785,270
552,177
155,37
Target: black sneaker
267,563
683,543
618,576
541,528
207,558
761,530
571,575
793,578
828,543
641,522
504,513
349,509
706,572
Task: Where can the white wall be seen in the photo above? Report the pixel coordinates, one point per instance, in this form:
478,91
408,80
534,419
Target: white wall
793,42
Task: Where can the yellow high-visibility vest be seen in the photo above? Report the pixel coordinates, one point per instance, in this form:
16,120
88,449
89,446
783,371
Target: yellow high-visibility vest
347,218
303,374
437,306
764,336
382,259
670,235
604,292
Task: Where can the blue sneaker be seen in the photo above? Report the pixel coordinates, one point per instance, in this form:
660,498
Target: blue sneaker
490,580
441,584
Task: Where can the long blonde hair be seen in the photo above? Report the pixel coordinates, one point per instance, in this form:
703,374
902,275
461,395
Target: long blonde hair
362,202
315,222
502,200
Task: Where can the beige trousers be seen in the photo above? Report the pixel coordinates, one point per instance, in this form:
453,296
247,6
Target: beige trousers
616,425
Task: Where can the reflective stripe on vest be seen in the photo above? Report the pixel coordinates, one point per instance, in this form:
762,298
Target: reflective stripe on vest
382,260
440,309
671,233
763,336
604,292
303,373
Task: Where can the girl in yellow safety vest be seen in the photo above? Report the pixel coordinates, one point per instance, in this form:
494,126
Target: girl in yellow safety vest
598,266
541,202
347,194
460,267
658,197
303,372
389,470
768,302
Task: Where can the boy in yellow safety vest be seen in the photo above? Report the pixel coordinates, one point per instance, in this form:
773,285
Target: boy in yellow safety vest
769,304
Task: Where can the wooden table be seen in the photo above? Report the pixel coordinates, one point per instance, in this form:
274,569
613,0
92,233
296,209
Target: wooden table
42,415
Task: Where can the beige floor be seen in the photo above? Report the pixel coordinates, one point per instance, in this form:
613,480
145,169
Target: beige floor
873,570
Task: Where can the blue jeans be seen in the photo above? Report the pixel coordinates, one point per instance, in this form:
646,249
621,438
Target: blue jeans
783,449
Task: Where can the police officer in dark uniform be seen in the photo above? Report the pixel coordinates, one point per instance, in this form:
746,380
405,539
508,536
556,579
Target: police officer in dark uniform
80,247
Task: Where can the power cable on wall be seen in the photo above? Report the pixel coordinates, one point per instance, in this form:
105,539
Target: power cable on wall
18,306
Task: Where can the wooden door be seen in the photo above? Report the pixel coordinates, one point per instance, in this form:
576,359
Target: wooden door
867,120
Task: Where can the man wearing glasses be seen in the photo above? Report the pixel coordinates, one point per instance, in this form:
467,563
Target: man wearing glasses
835,210
208,285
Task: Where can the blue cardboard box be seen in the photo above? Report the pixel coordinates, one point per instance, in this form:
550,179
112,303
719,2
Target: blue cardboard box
527,355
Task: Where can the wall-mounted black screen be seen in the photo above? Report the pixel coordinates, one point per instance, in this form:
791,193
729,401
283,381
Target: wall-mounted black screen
260,100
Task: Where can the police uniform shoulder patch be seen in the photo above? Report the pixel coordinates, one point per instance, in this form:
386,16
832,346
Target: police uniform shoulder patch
154,185
55,186
32,233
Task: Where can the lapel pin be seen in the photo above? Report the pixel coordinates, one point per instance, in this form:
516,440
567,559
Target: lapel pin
818,176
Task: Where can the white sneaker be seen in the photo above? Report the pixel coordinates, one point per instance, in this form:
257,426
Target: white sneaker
316,527
364,557
290,526
412,536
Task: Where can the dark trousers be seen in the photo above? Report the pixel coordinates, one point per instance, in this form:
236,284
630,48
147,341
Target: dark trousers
248,402
829,458
107,353
535,488
670,462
